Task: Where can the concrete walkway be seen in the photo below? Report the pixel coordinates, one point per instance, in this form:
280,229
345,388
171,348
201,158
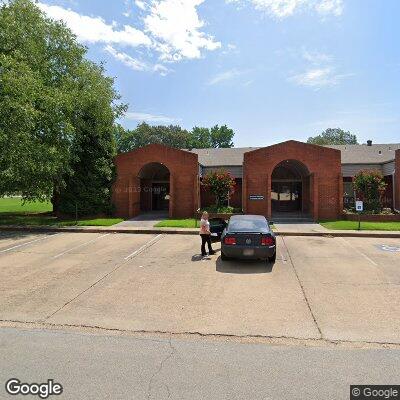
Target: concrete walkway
145,220
300,227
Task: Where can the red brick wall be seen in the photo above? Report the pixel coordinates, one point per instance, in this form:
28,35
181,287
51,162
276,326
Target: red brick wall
397,180
324,165
183,168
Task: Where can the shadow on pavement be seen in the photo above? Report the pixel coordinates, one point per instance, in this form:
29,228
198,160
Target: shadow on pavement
243,266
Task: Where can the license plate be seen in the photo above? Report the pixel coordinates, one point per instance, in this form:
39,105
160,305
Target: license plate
214,234
248,252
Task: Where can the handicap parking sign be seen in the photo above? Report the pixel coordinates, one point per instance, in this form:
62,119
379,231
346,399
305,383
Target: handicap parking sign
391,249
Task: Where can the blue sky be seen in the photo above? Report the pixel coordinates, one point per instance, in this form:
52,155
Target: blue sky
272,70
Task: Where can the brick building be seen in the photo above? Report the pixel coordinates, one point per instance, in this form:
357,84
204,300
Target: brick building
289,178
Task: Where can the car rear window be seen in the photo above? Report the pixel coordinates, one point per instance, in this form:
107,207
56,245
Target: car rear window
247,225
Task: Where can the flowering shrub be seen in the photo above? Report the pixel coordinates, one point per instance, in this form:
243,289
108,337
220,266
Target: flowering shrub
220,184
370,188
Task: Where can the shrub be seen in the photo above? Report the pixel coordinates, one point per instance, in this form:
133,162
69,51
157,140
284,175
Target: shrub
221,185
370,187
222,209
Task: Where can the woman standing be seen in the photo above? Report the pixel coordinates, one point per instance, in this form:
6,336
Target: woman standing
205,235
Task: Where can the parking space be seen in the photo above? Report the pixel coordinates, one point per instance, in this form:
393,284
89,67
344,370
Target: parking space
334,288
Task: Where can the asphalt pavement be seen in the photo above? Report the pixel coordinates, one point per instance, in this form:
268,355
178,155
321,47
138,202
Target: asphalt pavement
101,367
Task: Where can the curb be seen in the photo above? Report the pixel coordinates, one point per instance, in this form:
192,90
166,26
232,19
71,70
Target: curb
184,231
50,229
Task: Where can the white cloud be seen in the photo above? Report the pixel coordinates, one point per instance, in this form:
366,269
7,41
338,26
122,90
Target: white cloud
316,58
140,4
318,78
334,7
176,27
320,70
225,76
95,29
172,30
126,59
151,118
286,8
135,64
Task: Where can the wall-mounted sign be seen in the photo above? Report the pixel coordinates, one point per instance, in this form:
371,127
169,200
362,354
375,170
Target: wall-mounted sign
359,206
256,197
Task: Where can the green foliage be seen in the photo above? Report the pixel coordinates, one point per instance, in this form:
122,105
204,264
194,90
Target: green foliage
222,209
370,187
333,136
50,99
221,136
178,223
216,137
200,138
365,225
172,136
89,187
220,184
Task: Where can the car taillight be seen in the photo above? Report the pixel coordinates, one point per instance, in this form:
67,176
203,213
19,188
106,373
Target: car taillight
267,241
230,240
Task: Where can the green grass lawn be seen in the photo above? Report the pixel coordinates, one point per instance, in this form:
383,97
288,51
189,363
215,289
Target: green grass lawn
13,212
365,226
178,223
15,205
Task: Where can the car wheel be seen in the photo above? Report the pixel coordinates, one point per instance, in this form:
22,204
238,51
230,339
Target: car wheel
272,259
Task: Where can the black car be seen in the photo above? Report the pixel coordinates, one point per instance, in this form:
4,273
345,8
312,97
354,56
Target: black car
217,227
248,237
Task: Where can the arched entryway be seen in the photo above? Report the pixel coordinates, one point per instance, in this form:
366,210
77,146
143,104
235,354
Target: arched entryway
290,189
154,188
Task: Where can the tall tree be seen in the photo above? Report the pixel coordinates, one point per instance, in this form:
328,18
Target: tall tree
47,107
221,136
37,65
173,136
200,138
333,136
88,189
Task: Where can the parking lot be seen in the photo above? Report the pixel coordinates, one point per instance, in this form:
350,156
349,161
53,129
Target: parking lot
341,289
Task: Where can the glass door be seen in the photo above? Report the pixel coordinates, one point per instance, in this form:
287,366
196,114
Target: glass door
286,196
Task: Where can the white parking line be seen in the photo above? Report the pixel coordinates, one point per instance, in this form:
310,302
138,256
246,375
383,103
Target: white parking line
80,245
26,243
143,247
359,252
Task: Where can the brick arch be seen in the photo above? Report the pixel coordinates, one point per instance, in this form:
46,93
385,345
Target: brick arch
184,180
323,164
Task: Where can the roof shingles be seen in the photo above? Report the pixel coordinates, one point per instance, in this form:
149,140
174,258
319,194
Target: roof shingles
351,154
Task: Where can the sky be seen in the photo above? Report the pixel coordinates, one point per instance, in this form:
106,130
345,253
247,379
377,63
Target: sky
272,70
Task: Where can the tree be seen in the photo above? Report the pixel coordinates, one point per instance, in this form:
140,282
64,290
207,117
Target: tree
173,136
221,136
220,184
370,187
200,138
123,138
37,66
333,136
50,104
89,188
144,134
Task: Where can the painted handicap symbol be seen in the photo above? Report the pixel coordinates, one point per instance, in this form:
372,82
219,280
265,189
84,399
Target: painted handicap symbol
392,249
